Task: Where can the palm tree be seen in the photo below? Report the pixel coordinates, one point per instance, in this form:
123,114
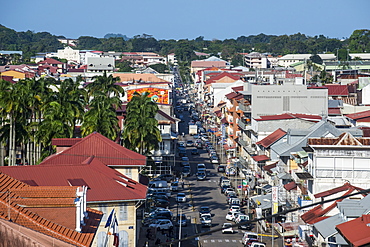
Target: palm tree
101,116
107,85
141,133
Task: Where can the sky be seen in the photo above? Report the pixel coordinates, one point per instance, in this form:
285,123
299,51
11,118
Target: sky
187,19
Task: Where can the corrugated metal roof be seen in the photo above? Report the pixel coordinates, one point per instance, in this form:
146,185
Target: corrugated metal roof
272,138
326,227
260,158
357,231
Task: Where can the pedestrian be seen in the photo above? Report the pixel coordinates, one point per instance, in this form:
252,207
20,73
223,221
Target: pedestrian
182,184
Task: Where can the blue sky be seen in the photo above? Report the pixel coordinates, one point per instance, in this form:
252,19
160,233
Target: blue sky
164,19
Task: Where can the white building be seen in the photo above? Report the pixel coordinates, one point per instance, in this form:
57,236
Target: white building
289,59
69,54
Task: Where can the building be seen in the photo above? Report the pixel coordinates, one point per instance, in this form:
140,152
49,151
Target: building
287,60
73,56
110,172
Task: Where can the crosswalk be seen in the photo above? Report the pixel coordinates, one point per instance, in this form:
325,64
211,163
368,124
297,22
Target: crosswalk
221,241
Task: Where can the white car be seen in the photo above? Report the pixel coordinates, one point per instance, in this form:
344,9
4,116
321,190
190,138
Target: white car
229,190
206,220
162,224
234,208
248,236
240,217
227,228
181,197
231,216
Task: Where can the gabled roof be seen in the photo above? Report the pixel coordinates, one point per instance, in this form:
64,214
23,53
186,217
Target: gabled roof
219,76
104,183
345,139
312,118
272,138
359,115
318,213
231,95
163,117
50,61
260,158
356,232
101,148
44,218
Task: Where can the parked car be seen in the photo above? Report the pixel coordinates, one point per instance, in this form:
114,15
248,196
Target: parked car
230,171
227,228
181,220
194,151
224,187
163,224
229,190
189,143
257,244
234,208
175,186
166,177
181,197
182,153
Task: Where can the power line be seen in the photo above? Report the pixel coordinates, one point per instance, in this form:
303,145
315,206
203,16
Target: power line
266,217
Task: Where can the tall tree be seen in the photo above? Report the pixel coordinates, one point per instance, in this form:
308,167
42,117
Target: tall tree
141,133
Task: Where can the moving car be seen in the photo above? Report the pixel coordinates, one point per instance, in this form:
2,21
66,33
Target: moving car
186,171
189,143
206,220
214,159
181,220
231,215
234,208
204,210
248,236
175,186
201,175
227,228
221,168
194,151
181,197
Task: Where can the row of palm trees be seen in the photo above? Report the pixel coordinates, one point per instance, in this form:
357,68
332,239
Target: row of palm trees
34,111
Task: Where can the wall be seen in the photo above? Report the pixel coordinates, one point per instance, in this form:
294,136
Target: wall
278,99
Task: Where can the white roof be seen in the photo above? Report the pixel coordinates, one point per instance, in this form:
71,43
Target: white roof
306,56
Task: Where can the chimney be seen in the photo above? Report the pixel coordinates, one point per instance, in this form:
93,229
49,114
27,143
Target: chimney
81,211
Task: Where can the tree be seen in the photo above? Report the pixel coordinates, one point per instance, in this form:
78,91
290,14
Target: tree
316,59
159,67
141,133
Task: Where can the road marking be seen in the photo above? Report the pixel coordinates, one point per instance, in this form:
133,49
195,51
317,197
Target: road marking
220,240
226,240
212,240
205,241
234,240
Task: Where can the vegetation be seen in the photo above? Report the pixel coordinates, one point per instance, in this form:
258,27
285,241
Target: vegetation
141,133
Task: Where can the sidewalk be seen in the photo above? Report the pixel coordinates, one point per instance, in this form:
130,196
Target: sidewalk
143,240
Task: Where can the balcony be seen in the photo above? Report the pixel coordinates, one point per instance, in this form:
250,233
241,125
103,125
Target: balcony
304,200
245,108
243,125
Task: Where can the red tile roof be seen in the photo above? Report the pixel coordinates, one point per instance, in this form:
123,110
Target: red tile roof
357,231
334,111
105,184
50,61
290,186
337,90
272,138
57,222
260,158
219,76
231,95
101,148
359,115
238,89
311,118
208,64
269,167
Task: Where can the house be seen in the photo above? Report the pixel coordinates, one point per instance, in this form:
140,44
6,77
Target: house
46,215
210,62
356,232
100,64
110,172
50,66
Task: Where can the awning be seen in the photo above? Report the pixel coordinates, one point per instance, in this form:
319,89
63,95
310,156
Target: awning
260,158
227,147
290,186
304,175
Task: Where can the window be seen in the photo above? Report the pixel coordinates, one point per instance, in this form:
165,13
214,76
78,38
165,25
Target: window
123,239
128,172
123,211
101,239
103,208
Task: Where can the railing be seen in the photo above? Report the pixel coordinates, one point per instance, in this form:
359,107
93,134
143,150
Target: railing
304,200
245,108
243,125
